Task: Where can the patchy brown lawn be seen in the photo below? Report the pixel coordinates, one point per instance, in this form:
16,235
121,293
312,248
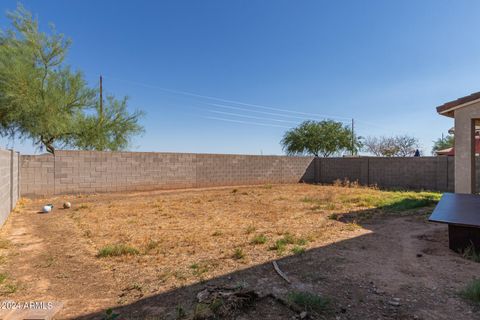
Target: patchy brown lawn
370,253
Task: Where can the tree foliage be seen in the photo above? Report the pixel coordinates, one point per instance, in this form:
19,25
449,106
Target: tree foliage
319,138
43,99
395,146
443,143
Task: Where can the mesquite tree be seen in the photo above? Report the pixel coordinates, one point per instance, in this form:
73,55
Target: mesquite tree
43,99
320,138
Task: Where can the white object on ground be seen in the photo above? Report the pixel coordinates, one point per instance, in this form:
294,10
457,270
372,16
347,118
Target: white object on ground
280,272
67,205
47,208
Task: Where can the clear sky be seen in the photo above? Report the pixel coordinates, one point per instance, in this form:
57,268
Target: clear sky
232,76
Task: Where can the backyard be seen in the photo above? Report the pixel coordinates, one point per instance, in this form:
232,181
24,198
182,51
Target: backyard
346,252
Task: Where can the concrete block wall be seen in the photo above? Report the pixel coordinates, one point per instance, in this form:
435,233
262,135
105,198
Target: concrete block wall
353,169
9,184
298,169
221,170
409,173
37,174
429,173
15,178
92,171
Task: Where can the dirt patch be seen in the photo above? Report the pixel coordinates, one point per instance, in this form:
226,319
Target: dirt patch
163,248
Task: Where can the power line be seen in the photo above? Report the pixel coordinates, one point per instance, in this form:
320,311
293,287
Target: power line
244,122
261,112
306,115
250,117
186,93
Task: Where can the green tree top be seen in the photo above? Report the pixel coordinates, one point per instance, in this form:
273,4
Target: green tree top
443,143
320,138
42,99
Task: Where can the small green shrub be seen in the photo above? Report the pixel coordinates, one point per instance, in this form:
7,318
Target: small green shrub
259,239
281,244
298,250
308,301
278,246
114,250
238,254
472,291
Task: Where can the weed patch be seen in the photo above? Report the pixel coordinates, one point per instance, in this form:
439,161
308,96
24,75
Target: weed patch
298,250
281,244
308,301
472,291
393,200
9,288
199,268
238,254
116,250
259,239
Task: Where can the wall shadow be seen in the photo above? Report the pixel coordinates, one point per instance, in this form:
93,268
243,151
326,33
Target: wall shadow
310,174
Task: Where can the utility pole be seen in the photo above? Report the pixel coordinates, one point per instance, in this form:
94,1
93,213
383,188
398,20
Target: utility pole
353,136
101,97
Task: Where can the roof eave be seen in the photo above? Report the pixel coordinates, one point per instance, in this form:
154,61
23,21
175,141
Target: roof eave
448,113
448,109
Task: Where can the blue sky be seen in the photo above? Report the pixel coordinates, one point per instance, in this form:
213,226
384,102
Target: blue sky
232,76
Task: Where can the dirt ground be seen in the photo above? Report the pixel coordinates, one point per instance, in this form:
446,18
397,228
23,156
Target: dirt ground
334,242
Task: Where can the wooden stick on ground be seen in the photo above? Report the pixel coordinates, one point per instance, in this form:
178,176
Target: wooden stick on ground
280,272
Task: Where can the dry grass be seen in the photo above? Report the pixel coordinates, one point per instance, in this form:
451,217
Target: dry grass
179,237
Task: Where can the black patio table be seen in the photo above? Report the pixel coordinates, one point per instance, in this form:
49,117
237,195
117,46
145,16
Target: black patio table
462,214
